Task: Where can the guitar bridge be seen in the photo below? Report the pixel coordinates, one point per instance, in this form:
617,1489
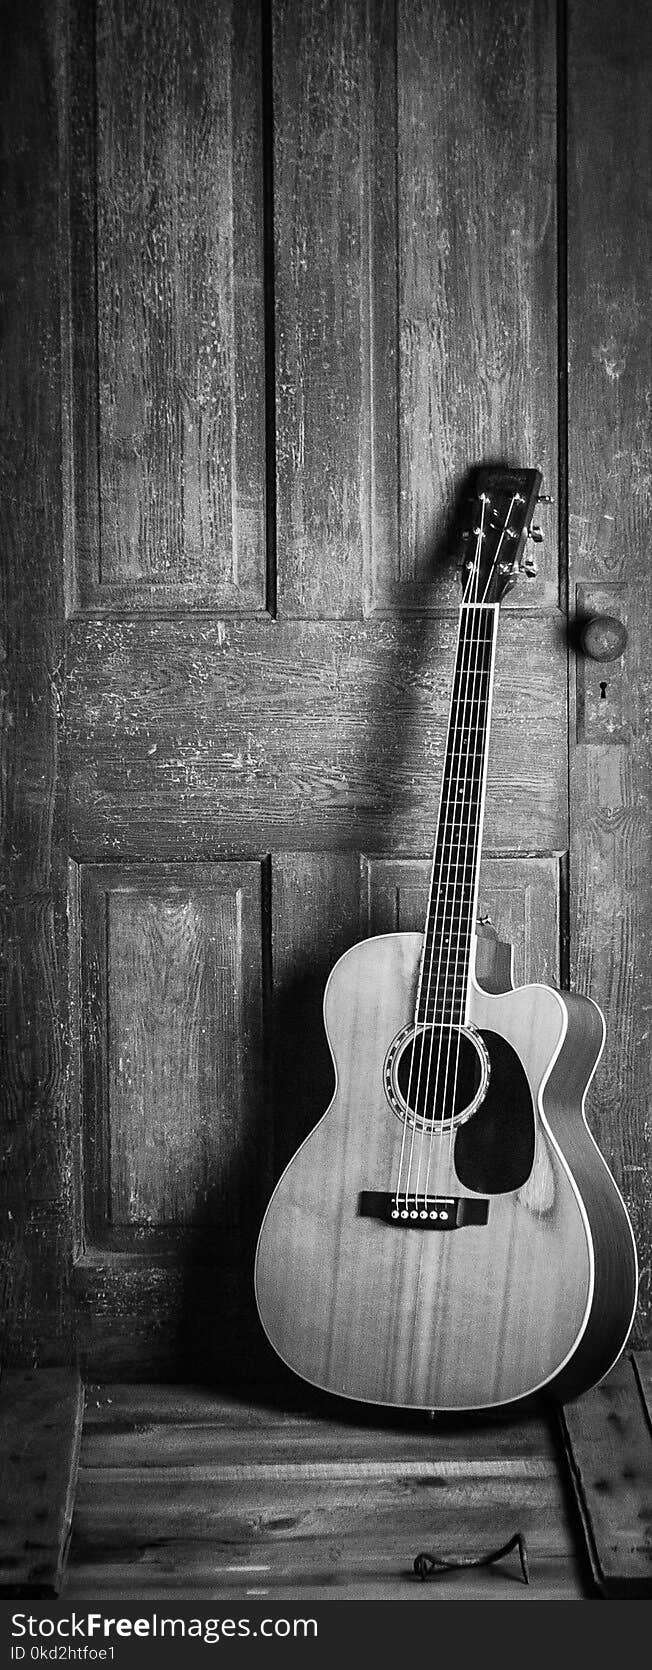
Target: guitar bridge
405,1211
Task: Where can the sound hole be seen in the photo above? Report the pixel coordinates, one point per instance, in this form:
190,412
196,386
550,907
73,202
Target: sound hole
439,1074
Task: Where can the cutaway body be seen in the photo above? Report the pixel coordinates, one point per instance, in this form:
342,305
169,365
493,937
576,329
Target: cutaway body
518,1271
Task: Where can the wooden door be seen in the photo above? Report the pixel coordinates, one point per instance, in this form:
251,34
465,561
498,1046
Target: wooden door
291,270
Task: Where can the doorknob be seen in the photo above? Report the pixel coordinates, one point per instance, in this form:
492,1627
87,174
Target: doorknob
603,637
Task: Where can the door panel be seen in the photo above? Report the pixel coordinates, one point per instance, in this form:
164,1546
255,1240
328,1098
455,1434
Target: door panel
193,735
292,270
171,1007
477,208
168,347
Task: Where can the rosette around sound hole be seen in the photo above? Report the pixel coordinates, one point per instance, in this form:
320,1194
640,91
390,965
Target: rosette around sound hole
436,1075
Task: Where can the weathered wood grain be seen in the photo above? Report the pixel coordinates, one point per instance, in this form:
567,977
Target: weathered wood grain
476,187
609,477
315,917
642,1365
188,1312
329,1577
167,255
186,734
174,1089
416,334
40,1434
335,216
318,1505
34,1137
136,1425
607,1439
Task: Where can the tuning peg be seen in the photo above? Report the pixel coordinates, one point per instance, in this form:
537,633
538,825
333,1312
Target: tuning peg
535,533
545,498
528,565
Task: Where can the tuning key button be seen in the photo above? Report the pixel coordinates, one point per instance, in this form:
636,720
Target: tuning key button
535,533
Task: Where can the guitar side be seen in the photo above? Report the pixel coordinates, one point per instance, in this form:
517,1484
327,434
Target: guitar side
415,1318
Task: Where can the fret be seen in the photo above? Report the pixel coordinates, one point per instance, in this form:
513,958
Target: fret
447,961
449,1015
450,908
445,957
439,942
447,992
435,1007
453,917
456,867
451,823
451,885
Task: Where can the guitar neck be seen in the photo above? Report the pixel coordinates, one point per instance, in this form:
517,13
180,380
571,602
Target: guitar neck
452,902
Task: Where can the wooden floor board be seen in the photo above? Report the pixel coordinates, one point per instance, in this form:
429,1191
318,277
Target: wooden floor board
40,1434
608,1441
182,1491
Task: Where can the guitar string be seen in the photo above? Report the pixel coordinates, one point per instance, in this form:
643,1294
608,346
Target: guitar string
469,862
482,757
460,813
432,918
443,995
444,991
482,638
408,1096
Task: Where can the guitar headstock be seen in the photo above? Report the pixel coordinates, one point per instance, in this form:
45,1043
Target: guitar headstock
497,525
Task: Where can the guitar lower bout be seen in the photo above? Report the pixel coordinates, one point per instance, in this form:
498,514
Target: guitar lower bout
449,1236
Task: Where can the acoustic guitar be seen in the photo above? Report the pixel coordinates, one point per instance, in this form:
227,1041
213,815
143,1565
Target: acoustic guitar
449,1236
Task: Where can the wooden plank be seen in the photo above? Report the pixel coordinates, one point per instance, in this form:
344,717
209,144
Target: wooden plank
189,735
168,315
477,187
135,1425
607,1439
335,280
642,1364
556,1579
40,1434
415,328
609,506
180,1492
34,1183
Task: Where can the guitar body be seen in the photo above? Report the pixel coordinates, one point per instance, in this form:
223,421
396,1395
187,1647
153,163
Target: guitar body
521,1275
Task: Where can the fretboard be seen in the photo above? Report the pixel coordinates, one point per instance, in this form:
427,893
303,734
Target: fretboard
452,903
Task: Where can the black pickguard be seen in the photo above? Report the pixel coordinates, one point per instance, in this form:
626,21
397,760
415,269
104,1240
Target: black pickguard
494,1150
